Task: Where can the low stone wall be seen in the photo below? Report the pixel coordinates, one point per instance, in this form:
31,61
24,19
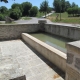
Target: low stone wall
55,56
67,31
13,31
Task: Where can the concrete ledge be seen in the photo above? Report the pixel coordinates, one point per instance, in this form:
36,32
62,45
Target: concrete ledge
55,56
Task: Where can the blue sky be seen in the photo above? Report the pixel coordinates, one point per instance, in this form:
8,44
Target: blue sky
34,2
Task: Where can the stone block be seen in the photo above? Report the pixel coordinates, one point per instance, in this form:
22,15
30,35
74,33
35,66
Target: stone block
77,63
42,21
8,20
70,58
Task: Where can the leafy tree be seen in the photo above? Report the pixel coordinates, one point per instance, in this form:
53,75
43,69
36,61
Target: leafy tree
73,4
3,9
79,11
16,5
6,1
33,11
49,10
15,13
67,5
56,5
75,11
44,7
26,7
62,3
59,5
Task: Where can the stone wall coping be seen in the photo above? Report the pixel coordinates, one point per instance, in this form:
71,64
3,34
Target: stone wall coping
74,46
56,24
17,24
65,25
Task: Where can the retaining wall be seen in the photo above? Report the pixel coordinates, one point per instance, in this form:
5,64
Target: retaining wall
71,32
55,56
13,31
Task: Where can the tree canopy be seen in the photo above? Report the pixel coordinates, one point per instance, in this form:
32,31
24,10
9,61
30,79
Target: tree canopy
26,7
44,7
6,1
33,11
3,9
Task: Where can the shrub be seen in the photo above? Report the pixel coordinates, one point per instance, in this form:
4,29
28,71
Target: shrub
74,11
15,13
1,17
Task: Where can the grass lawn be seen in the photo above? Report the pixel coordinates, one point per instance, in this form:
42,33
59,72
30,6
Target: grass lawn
40,14
64,18
25,18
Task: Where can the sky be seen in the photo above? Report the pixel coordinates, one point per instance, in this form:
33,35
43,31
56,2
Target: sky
34,2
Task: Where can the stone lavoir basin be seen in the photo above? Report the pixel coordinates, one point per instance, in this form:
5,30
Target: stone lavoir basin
53,40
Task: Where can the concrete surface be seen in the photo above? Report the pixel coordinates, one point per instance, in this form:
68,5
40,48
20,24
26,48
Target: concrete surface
18,59
54,55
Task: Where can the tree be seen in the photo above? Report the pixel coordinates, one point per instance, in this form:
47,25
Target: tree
62,3
56,5
73,4
26,7
44,7
49,10
59,5
75,11
33,11
16,5
15,13
67,5
3,9
6,1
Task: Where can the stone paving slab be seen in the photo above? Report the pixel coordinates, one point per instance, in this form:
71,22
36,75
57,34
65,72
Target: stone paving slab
18,59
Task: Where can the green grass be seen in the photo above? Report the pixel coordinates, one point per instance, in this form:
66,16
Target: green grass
25,18
40,14
64,18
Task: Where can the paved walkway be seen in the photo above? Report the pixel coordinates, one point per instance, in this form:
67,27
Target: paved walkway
31,21
17,59
35,20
